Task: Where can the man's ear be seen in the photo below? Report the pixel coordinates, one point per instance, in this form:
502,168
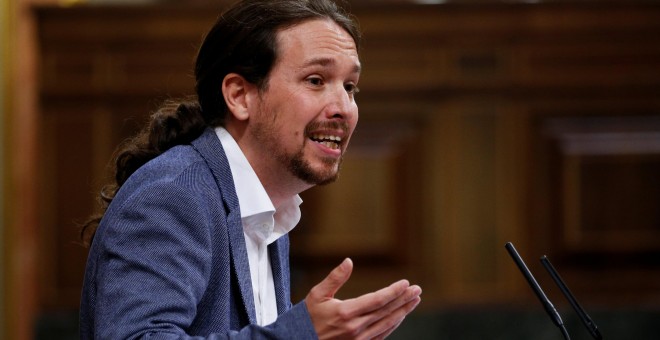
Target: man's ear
236,91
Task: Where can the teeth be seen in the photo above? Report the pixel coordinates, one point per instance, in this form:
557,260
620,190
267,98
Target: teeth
330,145
326,138
328,141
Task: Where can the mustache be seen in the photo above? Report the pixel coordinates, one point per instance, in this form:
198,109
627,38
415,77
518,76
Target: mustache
333,125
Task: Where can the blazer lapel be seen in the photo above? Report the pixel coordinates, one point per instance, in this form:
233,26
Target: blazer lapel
210,148
279,266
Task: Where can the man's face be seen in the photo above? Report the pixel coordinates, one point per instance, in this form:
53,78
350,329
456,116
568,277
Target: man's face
307,112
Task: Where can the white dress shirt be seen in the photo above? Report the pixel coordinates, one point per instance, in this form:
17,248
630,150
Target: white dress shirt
262,225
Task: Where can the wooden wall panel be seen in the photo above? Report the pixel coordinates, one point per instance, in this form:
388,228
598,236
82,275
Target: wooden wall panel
115,51
601,172
76,147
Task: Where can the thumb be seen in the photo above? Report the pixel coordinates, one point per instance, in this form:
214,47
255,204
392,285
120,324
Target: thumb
334,281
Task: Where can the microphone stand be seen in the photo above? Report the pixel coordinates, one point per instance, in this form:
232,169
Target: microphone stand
547,305
586,320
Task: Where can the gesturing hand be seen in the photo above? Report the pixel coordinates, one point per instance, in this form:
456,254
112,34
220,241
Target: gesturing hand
373,315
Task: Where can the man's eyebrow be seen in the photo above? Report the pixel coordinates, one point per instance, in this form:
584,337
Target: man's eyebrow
328,62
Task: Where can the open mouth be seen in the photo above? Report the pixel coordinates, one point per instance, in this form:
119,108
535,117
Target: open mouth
332,142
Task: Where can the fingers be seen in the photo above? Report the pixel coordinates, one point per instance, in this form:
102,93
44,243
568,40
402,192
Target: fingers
387,318
385,325
400,303
327,288
384,318
375,301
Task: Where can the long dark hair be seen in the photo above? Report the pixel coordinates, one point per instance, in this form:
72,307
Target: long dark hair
242,41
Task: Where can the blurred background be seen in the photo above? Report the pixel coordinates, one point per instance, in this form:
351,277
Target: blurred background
481,122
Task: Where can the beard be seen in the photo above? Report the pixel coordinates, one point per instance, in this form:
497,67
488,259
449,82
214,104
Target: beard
265,132
301,168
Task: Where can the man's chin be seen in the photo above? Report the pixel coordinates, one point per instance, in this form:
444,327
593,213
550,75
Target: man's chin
314,176
318,178
328,180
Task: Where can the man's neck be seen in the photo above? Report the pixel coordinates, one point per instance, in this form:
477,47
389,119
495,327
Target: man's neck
279,194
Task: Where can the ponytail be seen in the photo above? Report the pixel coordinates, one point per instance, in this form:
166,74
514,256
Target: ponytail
173,124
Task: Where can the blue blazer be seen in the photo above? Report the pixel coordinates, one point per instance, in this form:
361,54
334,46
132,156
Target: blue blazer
168,260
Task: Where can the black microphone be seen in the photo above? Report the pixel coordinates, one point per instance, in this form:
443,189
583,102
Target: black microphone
547,305
586,320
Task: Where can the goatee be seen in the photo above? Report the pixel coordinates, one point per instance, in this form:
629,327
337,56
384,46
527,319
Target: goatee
303,171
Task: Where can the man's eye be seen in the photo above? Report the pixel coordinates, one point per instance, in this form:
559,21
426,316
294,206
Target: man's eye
316,81
351,88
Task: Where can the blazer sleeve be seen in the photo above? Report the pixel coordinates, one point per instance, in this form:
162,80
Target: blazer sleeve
153,266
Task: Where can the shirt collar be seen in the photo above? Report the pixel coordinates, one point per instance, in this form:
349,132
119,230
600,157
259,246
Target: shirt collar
255,205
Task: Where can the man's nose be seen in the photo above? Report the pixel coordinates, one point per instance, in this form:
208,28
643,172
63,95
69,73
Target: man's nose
341,104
